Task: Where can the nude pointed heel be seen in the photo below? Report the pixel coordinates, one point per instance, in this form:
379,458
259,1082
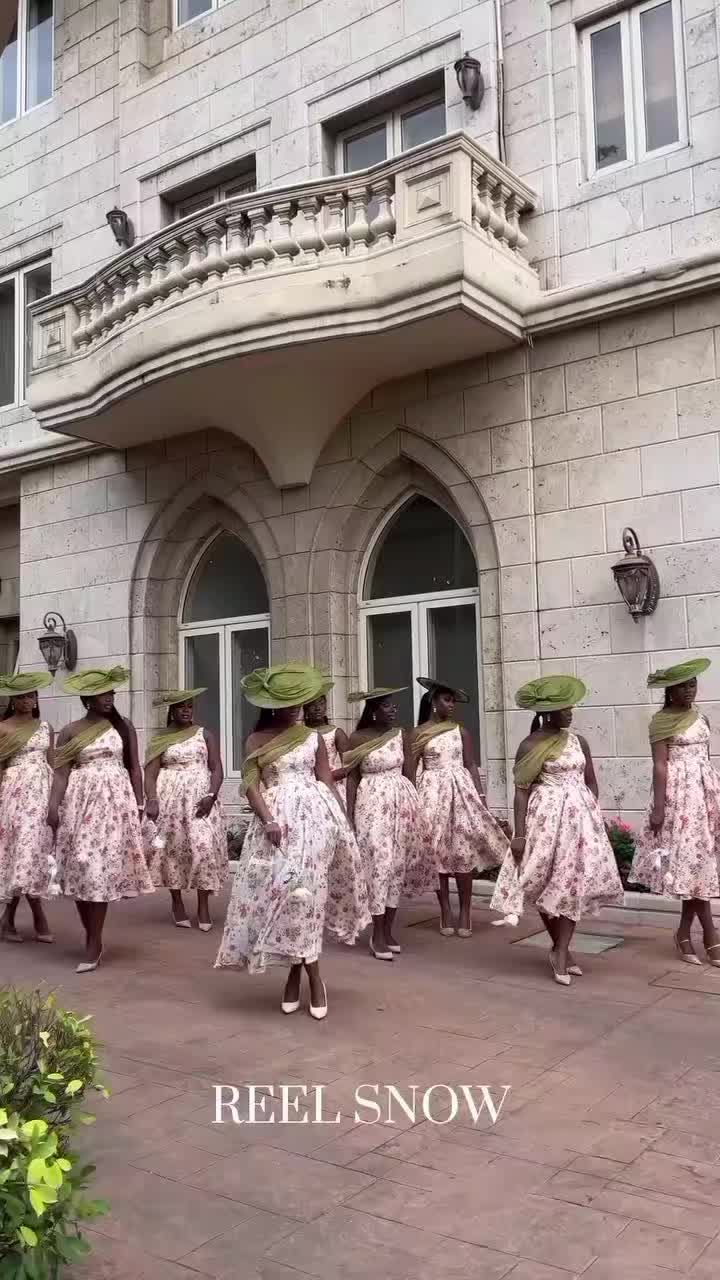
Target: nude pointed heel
87,967
715,946
320,1011
689,958
563,979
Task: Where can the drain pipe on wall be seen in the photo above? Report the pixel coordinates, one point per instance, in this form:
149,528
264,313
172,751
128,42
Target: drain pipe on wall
500,77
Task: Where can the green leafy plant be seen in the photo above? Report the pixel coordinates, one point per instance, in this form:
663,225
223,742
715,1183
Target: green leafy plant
622,838
235,837
48,1064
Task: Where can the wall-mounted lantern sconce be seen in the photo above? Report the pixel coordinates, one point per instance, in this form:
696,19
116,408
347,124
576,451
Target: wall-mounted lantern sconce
637,578
121,227
58,646
470,80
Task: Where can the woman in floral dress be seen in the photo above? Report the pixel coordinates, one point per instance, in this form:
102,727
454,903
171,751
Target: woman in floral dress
185,832
299,874
678,853
560,858
463,833
336,740
383,805
96,807
25,840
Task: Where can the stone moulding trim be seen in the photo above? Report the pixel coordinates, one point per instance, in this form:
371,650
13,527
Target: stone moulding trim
217,144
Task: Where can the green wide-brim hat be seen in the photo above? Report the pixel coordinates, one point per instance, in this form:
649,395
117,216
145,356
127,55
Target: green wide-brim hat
431,685
550,693
679,674
24,682
290,684
171,697
93,681
370,695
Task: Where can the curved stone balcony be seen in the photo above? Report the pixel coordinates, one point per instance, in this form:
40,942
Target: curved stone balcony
270,315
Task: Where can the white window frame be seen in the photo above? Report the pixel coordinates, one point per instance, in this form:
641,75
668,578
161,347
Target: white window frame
20,108
177,24
22,336
631,50
223,628
393,127
213,195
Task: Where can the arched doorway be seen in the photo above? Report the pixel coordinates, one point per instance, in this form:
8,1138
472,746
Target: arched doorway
224,632
419,608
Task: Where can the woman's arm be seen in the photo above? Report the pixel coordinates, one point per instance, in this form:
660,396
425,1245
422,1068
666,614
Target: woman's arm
135,771
152,773
51,747
255,799
59,783
342,743
520,804
660,759
590,779
217,775
409,762
323,772
470,765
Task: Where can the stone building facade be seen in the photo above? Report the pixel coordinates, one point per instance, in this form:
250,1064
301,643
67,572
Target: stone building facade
385,410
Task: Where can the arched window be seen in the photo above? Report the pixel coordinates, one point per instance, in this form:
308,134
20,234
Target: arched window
224,634
419,609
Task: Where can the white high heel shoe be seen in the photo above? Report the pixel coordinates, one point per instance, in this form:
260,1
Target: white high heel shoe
89,967
320,1011
379,955
563,978
205,928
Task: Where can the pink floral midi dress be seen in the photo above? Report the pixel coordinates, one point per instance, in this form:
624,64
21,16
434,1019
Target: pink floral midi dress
99,847
682,860
284,899
391,831
185,852
25,837
463,833
568,868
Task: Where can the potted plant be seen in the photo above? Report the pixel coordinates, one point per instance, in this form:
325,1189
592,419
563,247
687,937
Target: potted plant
48,1064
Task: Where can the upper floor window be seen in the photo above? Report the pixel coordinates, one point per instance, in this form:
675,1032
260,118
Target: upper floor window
186,10
17,292
26,64
240,185
387,135
635,106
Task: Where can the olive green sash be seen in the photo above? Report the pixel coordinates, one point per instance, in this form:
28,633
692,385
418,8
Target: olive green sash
667,723
69,753
426,732
351,759
271,751
529,766
168,738
12,742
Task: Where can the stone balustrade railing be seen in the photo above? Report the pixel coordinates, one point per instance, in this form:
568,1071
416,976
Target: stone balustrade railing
310,224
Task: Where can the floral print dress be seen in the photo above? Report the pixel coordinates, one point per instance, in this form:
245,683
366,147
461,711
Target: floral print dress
391,831
25,837
284,899
185,852
568,868
463,833
99,847
683,859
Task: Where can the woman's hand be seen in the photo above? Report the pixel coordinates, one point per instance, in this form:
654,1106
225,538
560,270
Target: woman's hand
505,827
657,818
517,848
152,810
339,774
273,831
53,817
205,805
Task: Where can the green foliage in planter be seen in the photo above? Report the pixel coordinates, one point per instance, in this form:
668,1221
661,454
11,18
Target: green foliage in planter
622,838
48,1064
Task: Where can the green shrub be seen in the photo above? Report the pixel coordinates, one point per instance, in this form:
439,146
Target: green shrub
48,1064
622,838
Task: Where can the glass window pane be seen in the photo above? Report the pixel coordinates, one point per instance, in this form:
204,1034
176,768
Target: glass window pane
422,125
608,96
227,583
189,9
659,87
37,285
39,53
8,78
202,668
452,646
249,649
366,149
390,659
7,342
423,550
